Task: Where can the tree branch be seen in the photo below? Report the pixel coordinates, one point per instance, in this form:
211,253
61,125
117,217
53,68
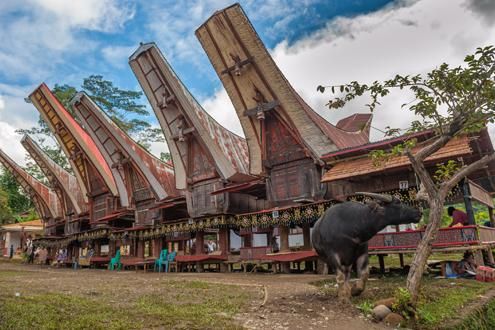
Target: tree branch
465,171
422,172
431,149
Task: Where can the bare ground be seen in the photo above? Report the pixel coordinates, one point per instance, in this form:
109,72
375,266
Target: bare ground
276,301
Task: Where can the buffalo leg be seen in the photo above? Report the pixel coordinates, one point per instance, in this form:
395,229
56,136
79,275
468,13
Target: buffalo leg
362,273
343,282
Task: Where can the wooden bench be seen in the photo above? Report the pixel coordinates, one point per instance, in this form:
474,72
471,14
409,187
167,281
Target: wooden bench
136,262
99,261
200,260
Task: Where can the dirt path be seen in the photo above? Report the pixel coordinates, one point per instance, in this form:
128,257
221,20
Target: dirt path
290,301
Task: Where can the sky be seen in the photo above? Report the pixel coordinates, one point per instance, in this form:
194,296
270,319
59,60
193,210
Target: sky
314,43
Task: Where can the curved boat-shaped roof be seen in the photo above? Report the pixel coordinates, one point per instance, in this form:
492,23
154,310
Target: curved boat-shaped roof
80,149
179,113
45,200
57,176
255,84
117,146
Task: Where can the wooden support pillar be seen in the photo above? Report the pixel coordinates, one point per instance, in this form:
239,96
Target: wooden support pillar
468,203
97,247
284,247
306,236
247,240
223,240
284,238
489,253
140,248
401,260
478,257
223,246
112,248
200,249
381,260
157,247
200,242
490,214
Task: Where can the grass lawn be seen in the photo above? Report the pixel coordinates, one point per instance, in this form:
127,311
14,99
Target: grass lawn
442,300
84,300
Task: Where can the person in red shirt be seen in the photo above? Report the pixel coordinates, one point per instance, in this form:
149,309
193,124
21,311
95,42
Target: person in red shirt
458,217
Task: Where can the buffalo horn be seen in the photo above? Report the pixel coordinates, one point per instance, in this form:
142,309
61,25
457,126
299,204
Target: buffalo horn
380,197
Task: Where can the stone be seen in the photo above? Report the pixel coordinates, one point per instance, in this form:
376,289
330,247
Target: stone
380,312
389,302
393,320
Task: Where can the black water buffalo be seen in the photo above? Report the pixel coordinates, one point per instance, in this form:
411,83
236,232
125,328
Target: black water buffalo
340,236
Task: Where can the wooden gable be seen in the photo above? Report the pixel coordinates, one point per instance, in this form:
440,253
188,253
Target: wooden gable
148,180
256,86
64,183
46,201
97,180
205,154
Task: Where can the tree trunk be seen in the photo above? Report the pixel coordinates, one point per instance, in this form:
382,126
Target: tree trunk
423,251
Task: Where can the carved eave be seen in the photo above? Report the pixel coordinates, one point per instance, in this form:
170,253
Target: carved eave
78,146
117,147
256,86
65,182
45,200
181,117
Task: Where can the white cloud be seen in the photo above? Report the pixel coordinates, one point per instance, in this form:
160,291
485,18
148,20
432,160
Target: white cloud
97,15
410,37
220,108
15,114
173,25
118,56
36,34
10,143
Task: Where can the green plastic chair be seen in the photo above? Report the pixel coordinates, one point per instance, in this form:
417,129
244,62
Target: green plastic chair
160,262
170,258
115,262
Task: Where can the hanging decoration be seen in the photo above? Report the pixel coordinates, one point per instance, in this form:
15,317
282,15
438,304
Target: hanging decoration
186,226
65,241
297,215
408,196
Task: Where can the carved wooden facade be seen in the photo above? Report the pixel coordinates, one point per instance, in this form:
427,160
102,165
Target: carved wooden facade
45,200
286,138
102,187
149,181
206,156
63,183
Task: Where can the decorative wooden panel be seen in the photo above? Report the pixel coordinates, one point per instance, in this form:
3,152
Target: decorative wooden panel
296,180
100,207
183,120
255,83
200,165
140,188
64,183
281,146
202,202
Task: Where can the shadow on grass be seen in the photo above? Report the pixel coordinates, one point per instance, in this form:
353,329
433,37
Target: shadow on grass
442,300
180,305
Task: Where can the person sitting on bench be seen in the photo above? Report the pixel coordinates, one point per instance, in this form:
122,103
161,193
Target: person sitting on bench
458,217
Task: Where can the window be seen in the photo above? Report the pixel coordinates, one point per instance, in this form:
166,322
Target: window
235,241
104,250
260,240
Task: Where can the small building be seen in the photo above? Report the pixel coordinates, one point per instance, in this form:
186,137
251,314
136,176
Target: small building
16,234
